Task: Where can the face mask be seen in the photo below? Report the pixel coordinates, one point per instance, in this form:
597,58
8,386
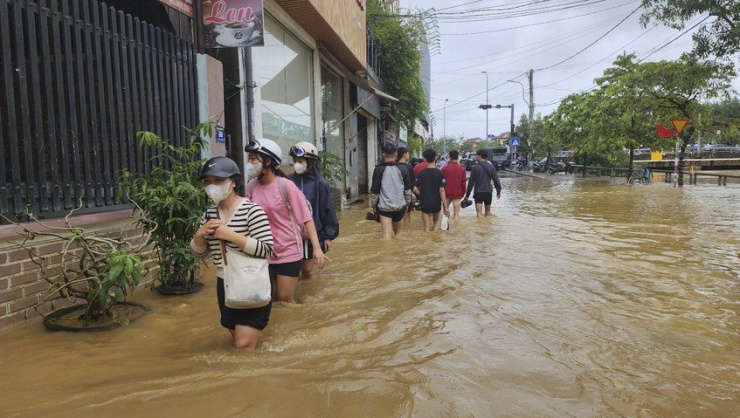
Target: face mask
254,169
219,192
300,168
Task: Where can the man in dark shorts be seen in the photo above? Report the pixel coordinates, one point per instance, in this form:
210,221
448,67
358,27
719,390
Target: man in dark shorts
390,193
480,179
430,188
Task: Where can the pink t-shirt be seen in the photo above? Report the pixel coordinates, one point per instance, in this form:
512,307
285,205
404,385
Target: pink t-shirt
286,249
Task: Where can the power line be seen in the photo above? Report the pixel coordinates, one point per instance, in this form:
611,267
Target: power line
594,42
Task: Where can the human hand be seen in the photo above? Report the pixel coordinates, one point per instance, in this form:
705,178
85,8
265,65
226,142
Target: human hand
319,258
208,228
498,196
327,244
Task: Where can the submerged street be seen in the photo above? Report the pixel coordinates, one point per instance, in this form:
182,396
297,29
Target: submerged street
579,297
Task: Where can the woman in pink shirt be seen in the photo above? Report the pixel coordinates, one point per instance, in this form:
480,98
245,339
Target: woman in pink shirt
287,213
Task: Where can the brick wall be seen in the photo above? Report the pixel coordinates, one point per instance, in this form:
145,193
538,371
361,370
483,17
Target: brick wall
24,294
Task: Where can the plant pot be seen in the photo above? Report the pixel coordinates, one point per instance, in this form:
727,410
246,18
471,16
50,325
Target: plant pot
180,290
67,319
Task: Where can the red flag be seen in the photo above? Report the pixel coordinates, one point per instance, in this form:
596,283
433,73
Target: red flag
664,132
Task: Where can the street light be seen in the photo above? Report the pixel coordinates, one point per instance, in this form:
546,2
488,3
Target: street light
487,106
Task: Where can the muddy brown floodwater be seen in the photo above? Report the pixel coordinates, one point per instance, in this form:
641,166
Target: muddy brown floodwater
579,298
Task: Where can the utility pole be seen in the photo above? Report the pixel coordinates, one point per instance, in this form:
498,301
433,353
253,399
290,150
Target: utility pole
531,113
444,131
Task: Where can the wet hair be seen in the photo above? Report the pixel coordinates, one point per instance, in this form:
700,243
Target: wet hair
401,152
454,155
483,153
429,155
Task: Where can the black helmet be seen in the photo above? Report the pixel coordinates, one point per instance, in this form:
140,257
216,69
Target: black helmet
221,167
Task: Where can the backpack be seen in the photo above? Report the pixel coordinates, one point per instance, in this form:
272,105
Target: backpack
249,189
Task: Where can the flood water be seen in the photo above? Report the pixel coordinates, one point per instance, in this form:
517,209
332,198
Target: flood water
579,298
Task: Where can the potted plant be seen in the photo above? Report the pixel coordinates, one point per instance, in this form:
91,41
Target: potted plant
333,169
95,273
170,200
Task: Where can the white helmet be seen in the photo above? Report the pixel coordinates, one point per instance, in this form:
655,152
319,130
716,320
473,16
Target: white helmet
304,149
266,147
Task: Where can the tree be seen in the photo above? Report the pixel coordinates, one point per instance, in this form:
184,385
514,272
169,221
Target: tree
630,98
400,61
723,122
719,38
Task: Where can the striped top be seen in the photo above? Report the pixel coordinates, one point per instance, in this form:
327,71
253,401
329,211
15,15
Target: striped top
248,219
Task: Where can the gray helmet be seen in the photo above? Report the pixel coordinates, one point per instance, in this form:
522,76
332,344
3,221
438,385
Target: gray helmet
221,167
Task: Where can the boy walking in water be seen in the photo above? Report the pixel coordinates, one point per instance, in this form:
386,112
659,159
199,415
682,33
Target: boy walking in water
390,192
480,178
455,180
430,187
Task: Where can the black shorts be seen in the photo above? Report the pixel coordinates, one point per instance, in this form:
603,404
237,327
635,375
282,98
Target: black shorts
396,216
485,198
230,318
292,269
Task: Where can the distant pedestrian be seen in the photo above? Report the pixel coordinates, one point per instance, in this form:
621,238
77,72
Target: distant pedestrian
480,179
402,158
430,188
455,182
390,192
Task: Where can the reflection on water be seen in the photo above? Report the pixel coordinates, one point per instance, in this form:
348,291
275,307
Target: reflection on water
581,298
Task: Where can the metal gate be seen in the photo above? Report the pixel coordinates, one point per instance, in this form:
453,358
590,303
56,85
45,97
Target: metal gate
78,79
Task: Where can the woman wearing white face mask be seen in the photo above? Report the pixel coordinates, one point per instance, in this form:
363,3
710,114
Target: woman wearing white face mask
241,225
288,213
314,186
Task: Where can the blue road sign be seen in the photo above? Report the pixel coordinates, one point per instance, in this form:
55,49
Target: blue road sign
515,141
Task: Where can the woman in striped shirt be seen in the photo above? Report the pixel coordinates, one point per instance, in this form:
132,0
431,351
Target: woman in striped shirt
241,225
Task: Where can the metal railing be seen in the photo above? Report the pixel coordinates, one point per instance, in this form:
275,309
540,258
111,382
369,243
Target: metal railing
79,79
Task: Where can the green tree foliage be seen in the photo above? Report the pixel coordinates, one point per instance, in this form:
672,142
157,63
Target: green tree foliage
400,61
724,117
629,99
720,37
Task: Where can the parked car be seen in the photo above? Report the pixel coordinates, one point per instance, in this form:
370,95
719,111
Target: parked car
719,148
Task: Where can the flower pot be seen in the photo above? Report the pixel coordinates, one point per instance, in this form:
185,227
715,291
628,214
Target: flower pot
67,319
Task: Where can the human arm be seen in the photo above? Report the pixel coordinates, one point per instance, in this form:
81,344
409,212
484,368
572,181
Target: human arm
327,215
375,187
473,176
496,183
443,196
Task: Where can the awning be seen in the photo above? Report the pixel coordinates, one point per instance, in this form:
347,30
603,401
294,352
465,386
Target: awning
383,95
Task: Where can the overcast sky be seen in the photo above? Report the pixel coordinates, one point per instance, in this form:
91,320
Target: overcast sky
507,38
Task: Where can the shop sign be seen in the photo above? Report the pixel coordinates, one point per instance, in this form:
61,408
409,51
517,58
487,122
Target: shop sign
183,6
233,23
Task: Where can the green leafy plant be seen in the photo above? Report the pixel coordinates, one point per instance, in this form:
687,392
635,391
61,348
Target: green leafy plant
96,269
171,200
332,168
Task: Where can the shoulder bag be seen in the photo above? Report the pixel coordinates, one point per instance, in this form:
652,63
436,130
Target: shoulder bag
246,279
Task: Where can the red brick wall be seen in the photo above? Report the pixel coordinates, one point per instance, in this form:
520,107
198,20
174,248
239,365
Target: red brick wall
24,294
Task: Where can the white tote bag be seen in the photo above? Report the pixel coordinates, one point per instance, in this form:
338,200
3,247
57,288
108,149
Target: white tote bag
246,280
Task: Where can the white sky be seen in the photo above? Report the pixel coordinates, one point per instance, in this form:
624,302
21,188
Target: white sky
514,45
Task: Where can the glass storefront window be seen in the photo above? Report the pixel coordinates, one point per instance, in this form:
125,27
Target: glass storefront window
331,109
286,80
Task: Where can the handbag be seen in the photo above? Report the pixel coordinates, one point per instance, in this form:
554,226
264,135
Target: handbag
246,280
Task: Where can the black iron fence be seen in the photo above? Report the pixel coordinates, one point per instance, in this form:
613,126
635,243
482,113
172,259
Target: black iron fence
78,79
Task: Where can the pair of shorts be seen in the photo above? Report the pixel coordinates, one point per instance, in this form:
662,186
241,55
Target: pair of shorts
455,202
230,318
396,216
308,249
485,197
291,269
